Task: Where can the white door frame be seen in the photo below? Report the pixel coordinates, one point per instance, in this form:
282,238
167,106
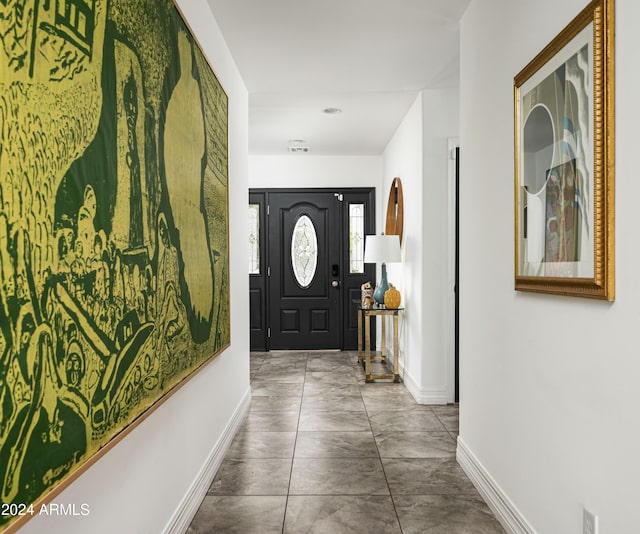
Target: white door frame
450,341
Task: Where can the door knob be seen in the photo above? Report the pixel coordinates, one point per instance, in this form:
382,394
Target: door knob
335,283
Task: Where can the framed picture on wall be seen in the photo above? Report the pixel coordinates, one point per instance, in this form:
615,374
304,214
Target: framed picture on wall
564,161
114,231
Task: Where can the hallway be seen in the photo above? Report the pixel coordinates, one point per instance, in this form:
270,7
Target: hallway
322,452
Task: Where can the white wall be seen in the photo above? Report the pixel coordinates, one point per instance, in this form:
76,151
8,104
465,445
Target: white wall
441,123
549,385
307,170
418,154
402,158
139,485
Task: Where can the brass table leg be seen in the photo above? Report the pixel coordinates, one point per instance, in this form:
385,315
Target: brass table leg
383,344
360,314
396,349
367,348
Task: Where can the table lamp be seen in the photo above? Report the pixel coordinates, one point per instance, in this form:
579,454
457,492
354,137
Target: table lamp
382,249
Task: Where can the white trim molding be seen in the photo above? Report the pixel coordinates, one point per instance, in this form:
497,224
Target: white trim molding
505,511
450,305
188,507
423,395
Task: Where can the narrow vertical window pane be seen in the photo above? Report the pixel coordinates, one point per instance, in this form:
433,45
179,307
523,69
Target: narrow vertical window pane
356,238
304,251
254,238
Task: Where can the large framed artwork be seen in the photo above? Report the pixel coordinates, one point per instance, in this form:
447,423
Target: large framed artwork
114,249
564,161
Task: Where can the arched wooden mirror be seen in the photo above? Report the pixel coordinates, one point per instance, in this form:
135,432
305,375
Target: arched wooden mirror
395,210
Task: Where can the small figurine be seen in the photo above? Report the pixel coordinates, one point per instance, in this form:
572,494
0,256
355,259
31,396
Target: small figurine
367,295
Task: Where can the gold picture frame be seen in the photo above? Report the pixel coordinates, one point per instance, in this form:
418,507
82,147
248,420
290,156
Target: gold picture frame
564,161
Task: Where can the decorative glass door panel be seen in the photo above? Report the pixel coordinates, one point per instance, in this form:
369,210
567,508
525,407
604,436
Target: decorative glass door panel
304,251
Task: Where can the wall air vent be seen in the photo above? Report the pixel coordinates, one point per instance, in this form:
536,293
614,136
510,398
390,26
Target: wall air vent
298,146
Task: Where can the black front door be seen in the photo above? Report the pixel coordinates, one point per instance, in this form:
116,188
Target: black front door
305,297
304,285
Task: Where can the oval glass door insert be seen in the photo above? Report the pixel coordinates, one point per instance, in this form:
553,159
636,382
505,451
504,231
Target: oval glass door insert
304,251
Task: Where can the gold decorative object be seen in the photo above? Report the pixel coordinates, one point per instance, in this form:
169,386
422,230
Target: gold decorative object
392,297
395,210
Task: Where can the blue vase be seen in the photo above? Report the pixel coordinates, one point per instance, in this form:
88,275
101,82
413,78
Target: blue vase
378,296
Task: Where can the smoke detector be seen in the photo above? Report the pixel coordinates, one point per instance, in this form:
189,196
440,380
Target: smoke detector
298,146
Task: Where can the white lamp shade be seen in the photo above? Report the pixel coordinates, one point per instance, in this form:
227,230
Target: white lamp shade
382,249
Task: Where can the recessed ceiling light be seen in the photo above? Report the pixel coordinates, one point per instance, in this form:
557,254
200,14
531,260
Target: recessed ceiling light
331,111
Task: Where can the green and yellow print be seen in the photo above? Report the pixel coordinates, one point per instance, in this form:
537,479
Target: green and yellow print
113,226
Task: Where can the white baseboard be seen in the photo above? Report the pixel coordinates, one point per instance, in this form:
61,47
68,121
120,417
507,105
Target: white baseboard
186,511
505,511
423,395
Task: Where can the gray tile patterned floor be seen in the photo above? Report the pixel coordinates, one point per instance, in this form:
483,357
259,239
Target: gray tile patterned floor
322,452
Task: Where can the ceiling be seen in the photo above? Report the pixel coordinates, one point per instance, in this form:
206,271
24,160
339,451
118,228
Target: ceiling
369,58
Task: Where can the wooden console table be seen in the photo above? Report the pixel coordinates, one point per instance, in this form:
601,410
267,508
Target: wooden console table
364,316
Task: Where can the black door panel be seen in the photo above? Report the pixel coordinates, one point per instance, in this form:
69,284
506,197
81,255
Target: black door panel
258,280
304,312
319,311
352,281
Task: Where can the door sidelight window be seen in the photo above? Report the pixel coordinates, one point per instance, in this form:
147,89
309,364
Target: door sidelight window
356,238
254,238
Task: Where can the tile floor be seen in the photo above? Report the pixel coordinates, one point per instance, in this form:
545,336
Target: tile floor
322,452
